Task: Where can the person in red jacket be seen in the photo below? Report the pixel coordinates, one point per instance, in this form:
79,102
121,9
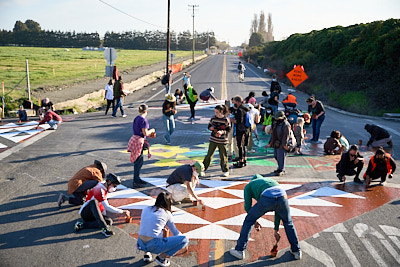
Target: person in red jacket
379,166
289,101
52,118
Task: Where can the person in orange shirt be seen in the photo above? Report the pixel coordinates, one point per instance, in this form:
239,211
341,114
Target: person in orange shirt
290,101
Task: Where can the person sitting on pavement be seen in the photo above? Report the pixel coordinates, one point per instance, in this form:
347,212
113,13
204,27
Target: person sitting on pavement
344,142
180,97
52,118
182,182
332,145
207,94
270,197
84,180
93,211
349,161
22,114
289,101
153,221
380,165
379,136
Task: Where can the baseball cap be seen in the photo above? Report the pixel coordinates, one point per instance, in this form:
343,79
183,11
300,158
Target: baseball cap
199,167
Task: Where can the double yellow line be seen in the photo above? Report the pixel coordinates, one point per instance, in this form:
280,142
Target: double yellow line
224,90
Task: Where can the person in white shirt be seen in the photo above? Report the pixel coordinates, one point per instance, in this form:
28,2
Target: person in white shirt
109,96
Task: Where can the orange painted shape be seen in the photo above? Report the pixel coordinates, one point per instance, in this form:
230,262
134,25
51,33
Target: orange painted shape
297,76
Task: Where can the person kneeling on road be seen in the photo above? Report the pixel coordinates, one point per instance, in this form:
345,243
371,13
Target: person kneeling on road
85,179
52,118
270,197
93,211
347,164
183,180
380,165
379,136
207,94
153,221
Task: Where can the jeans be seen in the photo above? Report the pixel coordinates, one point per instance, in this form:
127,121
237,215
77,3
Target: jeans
274,109
168,245
265,204
80,193
53,124
167,88
92,216
118,105
223,156
316,127
137,166
169,126
280,156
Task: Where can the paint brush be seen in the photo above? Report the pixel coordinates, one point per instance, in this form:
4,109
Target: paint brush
274,250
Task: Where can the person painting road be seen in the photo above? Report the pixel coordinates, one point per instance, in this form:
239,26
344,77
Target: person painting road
380,166
350,161
270,197
379,136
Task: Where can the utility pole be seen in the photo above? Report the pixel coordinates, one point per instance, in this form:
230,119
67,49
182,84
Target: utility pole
168,36
27,81
193,7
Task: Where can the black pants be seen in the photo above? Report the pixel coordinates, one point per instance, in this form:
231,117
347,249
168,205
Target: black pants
110,103
242,139
378,174
92,216
350,171
80,193
192,105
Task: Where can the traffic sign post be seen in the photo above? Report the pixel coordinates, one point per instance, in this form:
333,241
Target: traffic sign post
110,54
297,75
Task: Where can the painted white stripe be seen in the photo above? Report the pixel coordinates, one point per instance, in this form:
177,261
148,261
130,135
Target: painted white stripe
347,250
317,254
361,230
391,250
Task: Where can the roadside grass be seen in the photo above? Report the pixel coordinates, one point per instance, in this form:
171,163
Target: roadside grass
53,67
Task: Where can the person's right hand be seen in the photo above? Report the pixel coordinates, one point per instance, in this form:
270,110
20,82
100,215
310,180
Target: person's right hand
277,236
127,213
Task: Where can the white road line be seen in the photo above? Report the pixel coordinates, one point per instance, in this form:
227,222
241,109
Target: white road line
317,254
347,250
268,83
361,231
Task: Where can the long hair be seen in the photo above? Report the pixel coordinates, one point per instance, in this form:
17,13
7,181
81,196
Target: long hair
163,201
222,108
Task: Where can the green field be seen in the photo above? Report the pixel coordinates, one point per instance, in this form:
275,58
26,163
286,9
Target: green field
58,66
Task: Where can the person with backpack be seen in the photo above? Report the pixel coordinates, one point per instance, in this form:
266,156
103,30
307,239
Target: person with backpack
167,81
274,83
240,112
241,69
93,211
274,99
281,141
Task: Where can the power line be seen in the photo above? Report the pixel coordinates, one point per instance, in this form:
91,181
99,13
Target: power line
123,12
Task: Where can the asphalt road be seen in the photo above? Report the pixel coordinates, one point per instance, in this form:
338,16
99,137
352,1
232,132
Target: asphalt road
364,228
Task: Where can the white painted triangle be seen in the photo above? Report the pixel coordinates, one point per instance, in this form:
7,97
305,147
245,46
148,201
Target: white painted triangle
289,186
8,125
15,138
212,231
138,205
128,193
16,129
338,228
390,230
159,182
3,146
235,192
333,192
220,202
238,220
307,200
219,184
301,213
182,216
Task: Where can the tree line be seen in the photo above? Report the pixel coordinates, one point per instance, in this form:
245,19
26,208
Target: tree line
356,68
31,34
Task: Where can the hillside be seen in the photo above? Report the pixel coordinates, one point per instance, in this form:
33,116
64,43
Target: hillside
356,68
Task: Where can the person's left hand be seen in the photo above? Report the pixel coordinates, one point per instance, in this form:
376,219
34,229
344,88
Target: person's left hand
127,213
277,236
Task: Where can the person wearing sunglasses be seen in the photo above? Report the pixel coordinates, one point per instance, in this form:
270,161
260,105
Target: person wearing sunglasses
351,163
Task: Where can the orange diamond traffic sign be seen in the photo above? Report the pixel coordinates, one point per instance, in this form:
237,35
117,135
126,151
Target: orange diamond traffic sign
297,76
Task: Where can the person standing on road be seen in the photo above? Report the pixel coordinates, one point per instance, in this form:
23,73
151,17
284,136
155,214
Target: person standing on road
182,182
191,98
167,81
298,131
52,118
219,126
186,79
93,211
118,95
153,221
380,165
274,83
379,136
168,110
274,99
109,96
270,197
317,111
349,161
279,140
242,132
138,142
85,179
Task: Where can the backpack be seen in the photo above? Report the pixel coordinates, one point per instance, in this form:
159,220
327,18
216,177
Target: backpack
247,122
240,67
165,79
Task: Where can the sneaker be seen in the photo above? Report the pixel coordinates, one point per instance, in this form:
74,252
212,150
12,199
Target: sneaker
225,174
382,183
124,116
280,173
78,226
297,255
147,257
162,261
176,202
238,165
252,151
113,116
107,232
61,199
340,177
192,121
236,253
357,180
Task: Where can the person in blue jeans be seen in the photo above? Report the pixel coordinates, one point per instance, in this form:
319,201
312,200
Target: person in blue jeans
168,110
151,239
317,111
118,96
270,197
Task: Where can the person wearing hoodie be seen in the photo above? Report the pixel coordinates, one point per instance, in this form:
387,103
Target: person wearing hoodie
379,136
242,132
207,94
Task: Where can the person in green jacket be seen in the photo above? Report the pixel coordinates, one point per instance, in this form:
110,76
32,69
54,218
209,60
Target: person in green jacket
270,197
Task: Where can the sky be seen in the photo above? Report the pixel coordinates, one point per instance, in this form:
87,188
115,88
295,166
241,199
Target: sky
229,20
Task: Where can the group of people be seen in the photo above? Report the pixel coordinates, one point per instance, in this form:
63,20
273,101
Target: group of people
114,94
